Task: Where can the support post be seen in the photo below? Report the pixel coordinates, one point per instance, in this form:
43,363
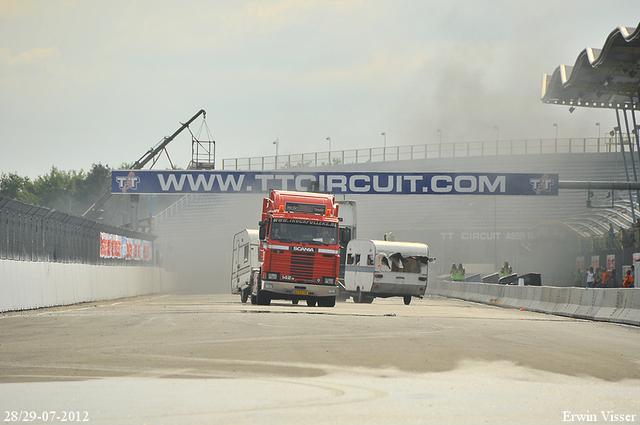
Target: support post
626,168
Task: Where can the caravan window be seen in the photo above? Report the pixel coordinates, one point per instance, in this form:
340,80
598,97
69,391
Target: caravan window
405,265
396,265
412,266
370,260
349,258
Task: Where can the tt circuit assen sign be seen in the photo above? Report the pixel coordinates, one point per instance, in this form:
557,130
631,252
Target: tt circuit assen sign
171,182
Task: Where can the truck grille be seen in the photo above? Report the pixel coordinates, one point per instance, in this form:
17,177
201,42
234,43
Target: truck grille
302,265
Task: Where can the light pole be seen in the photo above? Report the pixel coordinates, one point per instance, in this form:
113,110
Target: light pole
385,139
329,139
440,145
384,146
598,124
555,124
497,133
277,143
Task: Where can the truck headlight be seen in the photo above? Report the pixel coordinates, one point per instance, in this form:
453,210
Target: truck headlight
268,286
331,290
272,276
328,280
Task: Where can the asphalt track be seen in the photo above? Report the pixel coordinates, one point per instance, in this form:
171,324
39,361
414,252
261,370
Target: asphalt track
210,359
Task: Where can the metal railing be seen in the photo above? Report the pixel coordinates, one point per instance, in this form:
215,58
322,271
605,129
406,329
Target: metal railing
174,208
427,151
32,233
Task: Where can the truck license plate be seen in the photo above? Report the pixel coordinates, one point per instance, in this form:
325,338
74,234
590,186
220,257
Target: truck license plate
296,292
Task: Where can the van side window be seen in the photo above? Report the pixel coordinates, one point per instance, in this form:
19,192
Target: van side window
246,253
370,260
349,258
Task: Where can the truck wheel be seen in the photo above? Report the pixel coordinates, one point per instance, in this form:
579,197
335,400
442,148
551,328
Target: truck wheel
254,299
311,303
327,302
262,298
407,299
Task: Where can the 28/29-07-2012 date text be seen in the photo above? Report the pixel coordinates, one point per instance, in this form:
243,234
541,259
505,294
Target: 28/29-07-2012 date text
45,416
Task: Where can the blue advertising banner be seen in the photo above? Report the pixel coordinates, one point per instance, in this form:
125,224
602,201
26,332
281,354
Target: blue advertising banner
172,182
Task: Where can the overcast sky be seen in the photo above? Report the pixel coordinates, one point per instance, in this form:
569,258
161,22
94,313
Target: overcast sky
83,82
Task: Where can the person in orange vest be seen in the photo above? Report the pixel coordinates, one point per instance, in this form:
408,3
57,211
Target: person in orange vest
606,277
628,280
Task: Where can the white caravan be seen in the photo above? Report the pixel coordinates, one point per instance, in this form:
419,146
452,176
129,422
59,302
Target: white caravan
386,269
246,246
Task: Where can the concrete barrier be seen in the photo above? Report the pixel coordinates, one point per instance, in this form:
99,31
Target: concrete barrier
631,315
612,305
608,304
28,285
587,301
573,303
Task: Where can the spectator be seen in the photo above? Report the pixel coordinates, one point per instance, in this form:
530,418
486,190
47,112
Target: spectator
577,278
628,280
506,270
590,278
597,277
610,236
454,271
606,278
459,273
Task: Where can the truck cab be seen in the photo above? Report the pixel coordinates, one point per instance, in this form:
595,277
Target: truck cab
299,249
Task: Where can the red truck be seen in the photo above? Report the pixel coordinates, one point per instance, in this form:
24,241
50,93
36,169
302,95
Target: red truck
299,250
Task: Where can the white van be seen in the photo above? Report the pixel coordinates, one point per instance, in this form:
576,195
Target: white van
386,269
246,247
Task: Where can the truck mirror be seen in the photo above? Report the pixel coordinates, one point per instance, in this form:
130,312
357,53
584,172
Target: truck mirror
263,230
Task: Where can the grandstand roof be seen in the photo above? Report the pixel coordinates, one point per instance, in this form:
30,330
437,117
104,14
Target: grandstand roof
600,78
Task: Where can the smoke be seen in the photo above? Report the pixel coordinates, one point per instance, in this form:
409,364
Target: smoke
197,242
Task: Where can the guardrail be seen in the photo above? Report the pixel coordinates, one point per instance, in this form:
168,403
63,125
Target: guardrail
611,305
426,151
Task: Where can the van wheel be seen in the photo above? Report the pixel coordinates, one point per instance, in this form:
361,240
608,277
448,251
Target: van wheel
294,302
357,298
407,299
311,303
244,295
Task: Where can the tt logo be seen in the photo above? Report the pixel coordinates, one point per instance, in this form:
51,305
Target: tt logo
543,184
129,182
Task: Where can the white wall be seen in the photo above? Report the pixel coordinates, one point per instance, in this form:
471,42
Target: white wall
27,285
612,305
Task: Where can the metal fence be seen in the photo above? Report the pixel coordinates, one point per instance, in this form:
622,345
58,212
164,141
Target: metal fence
32,233
427,151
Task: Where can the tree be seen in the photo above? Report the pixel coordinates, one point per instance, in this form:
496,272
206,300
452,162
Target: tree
12,185
68,191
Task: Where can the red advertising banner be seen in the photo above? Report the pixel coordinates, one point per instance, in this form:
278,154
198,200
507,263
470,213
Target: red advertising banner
611,261
115,246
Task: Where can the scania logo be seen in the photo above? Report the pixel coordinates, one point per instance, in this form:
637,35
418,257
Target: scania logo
303,248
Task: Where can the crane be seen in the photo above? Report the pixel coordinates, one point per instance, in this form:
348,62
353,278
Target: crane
141,162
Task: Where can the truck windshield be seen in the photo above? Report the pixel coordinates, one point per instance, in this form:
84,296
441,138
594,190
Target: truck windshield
303,231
